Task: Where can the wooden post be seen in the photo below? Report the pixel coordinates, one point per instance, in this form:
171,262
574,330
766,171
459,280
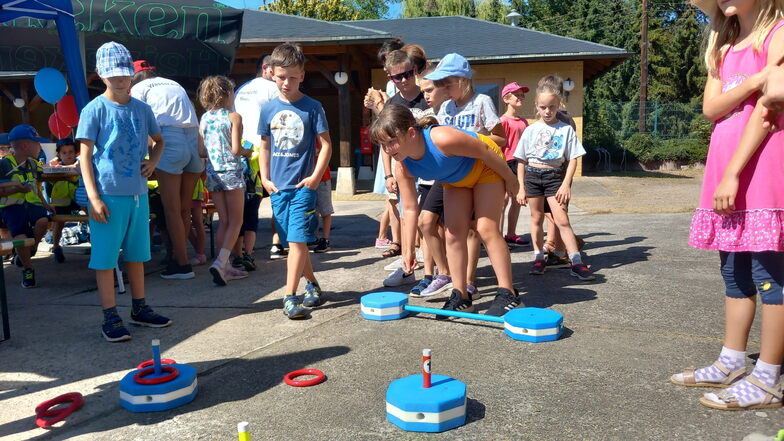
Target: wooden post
346,185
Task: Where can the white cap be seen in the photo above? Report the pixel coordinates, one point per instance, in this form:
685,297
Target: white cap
243,427
156,342
426,352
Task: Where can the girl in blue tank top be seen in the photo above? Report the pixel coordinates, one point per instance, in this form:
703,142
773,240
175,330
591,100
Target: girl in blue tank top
475,177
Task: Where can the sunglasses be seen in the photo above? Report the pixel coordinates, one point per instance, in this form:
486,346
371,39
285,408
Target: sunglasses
402,76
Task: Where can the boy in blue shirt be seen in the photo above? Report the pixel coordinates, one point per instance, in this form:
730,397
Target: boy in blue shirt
113,130
291,173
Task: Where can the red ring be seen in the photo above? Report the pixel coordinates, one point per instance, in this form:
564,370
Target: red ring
149,363
319,378
139,377
44,409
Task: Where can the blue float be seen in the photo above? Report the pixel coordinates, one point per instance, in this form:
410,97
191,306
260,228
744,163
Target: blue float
533,325
158,387
414,408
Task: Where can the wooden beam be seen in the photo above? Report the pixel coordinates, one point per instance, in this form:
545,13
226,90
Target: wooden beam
326,73
344,113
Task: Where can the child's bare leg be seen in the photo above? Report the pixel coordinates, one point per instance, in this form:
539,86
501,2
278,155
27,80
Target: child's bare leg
295,266
105,282
57,233
771,341
738,317
135,271
250,241
326,226
487,197
198,235
561,219
234,200
513,216
394,220
24,253
458,218
428,224
429,262
473,243
536,205
307,270
383,224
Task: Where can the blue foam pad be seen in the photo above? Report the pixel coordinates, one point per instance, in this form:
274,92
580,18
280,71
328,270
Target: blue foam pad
384,305
435,409
157,397
534,325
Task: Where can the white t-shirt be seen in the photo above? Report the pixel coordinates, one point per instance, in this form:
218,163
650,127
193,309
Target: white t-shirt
248,101
169,101
547,144
478,115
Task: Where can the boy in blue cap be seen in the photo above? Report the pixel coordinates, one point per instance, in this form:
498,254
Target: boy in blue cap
113,130
24,209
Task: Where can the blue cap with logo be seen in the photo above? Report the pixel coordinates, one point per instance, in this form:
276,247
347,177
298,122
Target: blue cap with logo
25,131
113,60
451,65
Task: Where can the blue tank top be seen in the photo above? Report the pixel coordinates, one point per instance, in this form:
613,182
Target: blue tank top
436,165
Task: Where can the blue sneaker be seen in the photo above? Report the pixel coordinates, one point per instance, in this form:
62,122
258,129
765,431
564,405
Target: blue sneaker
421,286
312,295
292,308
147,317
113,330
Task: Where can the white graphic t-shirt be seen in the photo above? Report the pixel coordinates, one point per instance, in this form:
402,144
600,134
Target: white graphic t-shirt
169,101
249,99
478,115
547,144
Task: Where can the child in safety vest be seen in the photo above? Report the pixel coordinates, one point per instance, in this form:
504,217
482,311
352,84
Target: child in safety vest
197,235
62,194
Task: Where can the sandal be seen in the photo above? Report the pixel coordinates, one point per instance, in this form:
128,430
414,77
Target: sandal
689,381
730,401
392,251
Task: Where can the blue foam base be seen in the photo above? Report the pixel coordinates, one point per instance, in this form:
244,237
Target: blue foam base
427,427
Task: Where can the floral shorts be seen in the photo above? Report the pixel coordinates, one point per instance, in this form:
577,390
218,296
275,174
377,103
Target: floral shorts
225,180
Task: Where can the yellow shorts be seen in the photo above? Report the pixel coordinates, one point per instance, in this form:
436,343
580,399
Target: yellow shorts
480,173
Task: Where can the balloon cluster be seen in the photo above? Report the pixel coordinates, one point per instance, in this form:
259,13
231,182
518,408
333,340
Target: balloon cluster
51,87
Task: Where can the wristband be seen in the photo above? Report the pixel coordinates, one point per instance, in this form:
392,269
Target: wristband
389,176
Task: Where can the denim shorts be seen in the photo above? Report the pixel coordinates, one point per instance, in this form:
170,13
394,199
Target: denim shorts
746,273
295,214
128,228
542,182
21,218
181,150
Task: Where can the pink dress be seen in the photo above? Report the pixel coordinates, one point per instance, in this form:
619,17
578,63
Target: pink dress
758,219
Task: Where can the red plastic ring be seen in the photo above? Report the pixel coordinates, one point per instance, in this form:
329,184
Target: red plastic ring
319,378
139,377
44,409
149,363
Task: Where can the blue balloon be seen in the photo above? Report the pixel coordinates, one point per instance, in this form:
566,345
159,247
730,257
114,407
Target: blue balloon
50,85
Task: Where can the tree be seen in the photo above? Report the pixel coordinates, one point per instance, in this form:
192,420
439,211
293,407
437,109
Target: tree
330,10
492,10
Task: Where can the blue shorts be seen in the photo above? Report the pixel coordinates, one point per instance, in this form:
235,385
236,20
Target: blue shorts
295,214
250,215
128,229
745,273
21,218
181,150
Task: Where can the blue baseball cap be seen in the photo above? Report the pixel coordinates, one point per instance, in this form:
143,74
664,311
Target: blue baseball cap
4,139
113,60
25,131
451,65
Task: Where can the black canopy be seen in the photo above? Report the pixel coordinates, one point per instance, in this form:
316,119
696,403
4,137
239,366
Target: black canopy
192,38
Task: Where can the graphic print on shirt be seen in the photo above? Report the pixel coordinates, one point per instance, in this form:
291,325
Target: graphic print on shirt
123,154
287,130
732,82
548,146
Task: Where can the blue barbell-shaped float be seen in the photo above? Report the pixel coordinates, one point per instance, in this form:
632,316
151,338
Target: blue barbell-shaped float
533,325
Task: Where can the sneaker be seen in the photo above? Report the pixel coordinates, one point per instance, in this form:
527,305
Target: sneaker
322,246
218,274
278,252
28,278
312,297
147,317
313,244
383,244
113,330
178,272
416,291
555,261
473,293
440,284
515,240
237,262
17,260
582,272
234,274
399,277
292,308
199,259
503,302
537,267
59,256
248,262
457,303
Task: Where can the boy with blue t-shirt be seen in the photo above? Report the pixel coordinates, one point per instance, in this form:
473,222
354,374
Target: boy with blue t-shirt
113,130
291,171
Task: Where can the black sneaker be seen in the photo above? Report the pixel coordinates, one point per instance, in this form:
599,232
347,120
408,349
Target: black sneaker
28,278
322,246
457,303
147,317
178,272
278,252
555,261
17,260
248,262
582,272
504,302
537,267
113,330
59,257
237,262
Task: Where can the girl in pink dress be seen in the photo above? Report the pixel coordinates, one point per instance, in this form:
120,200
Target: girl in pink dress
741,210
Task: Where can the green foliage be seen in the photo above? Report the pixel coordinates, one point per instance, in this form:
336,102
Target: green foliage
329,10
647,148
492,10
437,8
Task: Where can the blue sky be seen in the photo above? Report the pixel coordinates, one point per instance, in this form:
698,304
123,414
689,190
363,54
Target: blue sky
394,7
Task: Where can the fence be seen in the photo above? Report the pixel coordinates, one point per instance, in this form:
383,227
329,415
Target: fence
663,120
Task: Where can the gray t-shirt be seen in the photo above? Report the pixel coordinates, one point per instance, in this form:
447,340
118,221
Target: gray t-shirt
547,144
478,115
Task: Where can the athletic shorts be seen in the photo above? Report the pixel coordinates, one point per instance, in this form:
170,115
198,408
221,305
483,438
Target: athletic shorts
422,191
434,201
225,180
542,182
128,228
250,214
746,273
324,199
181,150
512,163
21,218
68,209
480,173
295,214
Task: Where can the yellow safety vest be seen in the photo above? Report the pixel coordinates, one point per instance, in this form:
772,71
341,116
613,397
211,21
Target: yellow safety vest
21,176
152,186
198,191
254,167
63,192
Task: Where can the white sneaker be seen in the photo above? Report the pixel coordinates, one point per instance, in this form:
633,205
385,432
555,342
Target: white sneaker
399,277
234,273
218,274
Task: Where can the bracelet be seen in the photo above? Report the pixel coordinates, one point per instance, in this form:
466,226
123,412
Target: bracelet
389,176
